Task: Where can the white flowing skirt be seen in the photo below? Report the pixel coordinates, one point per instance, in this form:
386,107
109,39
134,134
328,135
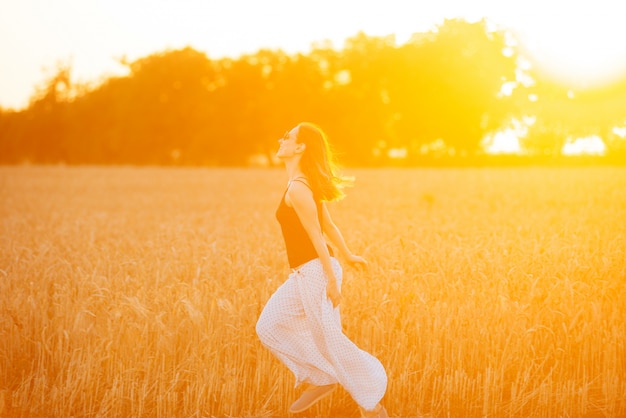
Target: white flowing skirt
302,328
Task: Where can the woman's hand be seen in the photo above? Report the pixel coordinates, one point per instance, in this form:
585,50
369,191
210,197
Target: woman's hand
333,293
356,261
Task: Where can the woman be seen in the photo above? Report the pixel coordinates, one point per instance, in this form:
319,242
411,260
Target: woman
300,323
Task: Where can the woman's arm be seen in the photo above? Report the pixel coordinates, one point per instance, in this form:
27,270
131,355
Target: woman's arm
336,238
301,199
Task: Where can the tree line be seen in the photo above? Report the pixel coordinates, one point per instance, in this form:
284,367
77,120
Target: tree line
435,97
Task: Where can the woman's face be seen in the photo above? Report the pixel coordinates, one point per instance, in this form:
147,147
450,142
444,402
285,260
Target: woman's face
289,145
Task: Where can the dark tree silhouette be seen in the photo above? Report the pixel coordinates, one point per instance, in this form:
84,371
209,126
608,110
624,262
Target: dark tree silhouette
372,96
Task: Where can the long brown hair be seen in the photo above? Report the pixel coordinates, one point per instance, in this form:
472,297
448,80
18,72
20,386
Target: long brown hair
319,165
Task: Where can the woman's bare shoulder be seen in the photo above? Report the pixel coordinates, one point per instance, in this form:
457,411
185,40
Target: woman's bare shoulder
299,193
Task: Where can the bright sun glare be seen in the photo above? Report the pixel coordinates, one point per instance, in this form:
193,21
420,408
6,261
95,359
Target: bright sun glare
578,46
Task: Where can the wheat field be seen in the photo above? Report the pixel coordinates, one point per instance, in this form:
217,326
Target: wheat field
134,292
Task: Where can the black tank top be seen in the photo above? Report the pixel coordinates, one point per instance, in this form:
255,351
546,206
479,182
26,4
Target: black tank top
299,247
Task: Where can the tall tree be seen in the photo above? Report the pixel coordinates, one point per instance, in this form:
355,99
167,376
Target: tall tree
450,85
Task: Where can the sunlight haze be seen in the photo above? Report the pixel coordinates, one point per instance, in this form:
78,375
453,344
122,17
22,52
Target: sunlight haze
579,42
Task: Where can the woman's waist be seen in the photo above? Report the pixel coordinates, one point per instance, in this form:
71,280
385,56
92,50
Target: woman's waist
312,264
298,255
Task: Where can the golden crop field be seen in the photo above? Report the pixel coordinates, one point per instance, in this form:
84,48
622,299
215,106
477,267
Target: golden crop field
134,292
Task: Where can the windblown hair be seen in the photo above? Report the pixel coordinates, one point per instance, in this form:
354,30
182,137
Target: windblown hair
319,165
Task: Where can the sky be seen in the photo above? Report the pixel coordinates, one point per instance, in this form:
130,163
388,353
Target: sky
581,42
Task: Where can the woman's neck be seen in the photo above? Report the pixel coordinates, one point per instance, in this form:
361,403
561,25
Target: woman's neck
293,170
